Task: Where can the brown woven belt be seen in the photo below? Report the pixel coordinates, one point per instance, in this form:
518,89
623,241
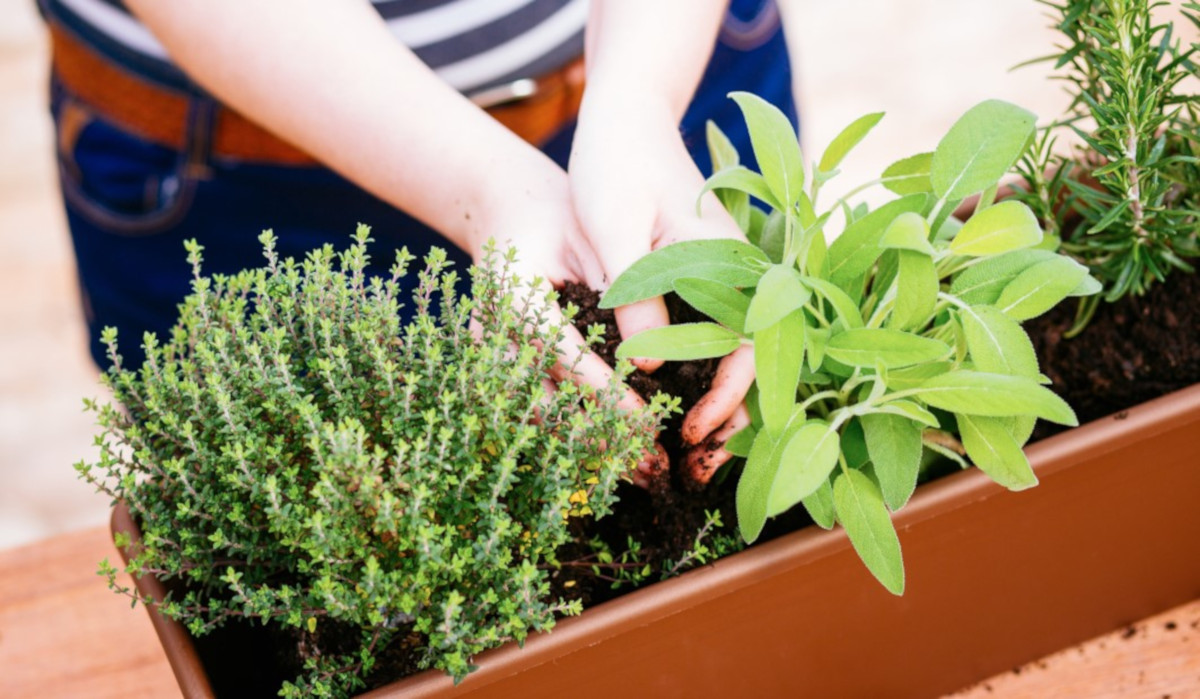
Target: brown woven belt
160,114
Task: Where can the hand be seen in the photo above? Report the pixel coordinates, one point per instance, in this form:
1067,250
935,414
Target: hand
537,219
634,187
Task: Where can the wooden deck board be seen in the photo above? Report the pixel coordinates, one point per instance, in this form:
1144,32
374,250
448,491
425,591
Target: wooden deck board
64,634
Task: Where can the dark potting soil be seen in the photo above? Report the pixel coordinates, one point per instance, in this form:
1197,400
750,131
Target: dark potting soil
1132,351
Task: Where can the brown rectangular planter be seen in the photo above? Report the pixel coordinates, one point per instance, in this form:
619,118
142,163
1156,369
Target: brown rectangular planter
995,579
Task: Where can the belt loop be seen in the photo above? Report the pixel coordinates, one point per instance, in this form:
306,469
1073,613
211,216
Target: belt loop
199,137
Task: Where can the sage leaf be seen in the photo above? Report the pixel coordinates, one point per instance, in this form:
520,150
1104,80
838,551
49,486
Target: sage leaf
774,236
1088,287
866,347
994,395
910,410
860,508
914,376
857,248
731,262
845,307
720,149
909,175
754,487
1007,226
984,282
740,443
776,147
997,343
779,293
778,357
845,141
992,448
741,179
681,342
1040,288
980,148
894,443
820,505
723,304
916,291
816,338
807,458
909,231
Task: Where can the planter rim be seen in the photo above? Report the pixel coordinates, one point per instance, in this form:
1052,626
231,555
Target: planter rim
1137,424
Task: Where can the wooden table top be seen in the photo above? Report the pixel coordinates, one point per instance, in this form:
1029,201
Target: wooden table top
64,634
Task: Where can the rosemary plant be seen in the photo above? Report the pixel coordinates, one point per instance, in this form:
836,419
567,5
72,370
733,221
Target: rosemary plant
1127,202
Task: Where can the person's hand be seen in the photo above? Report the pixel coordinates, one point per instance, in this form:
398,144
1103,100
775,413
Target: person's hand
537,219
635,189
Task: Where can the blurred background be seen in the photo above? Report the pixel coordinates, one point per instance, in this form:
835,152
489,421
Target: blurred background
924,62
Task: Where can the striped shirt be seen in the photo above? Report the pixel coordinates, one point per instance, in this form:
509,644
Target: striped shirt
472,44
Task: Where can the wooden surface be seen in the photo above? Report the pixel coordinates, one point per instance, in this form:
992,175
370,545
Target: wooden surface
63,634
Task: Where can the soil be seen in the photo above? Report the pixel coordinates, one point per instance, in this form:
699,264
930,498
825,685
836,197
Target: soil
1133,350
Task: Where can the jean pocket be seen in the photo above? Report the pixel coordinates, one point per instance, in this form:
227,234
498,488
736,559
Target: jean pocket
117,180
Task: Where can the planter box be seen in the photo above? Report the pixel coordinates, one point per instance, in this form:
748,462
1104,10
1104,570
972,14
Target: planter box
996,579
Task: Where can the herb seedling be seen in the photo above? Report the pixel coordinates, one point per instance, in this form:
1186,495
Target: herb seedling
1134,183
295,457
882,345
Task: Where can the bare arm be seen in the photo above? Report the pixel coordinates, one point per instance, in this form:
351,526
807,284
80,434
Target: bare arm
328,76
635,185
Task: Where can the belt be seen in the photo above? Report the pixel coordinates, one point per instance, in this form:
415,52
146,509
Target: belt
534,109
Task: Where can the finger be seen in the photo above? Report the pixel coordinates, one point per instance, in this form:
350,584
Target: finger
584,367
643,315
703,460
734,376
653,471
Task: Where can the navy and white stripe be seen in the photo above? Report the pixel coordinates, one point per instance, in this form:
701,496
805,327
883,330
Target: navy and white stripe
471,44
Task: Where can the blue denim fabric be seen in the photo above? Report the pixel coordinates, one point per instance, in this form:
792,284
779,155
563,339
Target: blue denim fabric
131,204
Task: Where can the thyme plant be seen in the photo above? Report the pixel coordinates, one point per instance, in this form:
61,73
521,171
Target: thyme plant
901,334
1135,181
294,456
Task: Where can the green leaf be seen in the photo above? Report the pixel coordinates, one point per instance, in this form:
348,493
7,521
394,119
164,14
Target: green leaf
723,304
859,507
807,458
910,175
754,487
894,443
778,357
1040,288
993,449
1007,226
997,343
914,376
820,505
994,395
980,148
816,338
866,347
1088,287
845,141
774,236
741,179
779,293
983,283
857,248
729,262
740,443
916,291
681,342
910,410
720,149
776,146
909,231
843,305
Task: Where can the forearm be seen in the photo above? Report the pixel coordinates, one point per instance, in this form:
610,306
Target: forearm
328,76
650,54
